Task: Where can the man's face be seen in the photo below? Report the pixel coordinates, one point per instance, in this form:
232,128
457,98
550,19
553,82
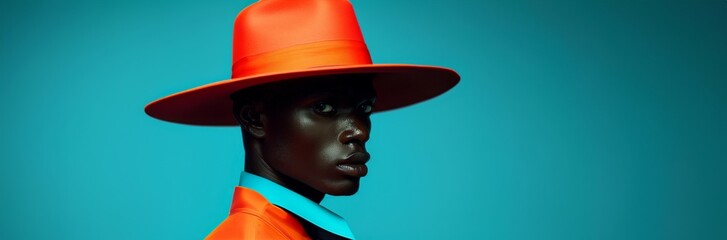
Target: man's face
315,133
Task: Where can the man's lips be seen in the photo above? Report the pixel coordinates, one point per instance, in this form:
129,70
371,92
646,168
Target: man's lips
356,158
354,164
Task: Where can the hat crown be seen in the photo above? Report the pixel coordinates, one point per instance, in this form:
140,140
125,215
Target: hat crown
267,28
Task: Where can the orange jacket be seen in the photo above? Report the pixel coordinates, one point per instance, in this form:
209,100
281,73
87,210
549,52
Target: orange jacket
253,217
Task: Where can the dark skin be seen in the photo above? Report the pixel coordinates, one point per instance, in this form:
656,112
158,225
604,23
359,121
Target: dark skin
308,135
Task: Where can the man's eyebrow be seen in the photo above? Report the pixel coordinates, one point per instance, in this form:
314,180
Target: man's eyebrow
338,96
318,94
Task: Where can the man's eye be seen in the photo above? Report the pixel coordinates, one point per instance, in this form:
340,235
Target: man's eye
367,108
324,108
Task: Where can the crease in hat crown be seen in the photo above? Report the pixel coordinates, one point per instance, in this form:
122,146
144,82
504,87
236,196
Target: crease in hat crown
276,36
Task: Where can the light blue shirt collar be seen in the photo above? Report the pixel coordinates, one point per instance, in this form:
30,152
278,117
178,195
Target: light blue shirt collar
297,204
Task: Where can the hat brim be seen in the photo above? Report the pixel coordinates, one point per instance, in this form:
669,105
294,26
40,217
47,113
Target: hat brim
396,85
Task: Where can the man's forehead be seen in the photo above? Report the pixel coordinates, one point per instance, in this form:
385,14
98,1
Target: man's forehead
343,85
337,86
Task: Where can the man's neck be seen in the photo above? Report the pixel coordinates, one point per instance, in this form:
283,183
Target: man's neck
255,164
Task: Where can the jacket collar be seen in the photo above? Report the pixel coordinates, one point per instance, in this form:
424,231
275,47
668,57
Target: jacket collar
297,204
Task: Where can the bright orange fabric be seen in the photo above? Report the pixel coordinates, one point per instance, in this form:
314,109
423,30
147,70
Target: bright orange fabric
267,26
327,53
253,217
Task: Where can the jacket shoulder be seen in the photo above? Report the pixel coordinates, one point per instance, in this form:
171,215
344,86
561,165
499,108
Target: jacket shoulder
246,225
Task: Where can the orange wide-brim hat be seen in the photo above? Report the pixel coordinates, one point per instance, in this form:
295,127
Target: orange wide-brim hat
282,40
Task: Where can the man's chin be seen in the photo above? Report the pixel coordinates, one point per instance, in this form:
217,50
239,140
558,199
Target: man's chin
347,189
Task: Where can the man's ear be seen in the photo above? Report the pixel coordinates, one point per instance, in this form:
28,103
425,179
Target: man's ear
250,118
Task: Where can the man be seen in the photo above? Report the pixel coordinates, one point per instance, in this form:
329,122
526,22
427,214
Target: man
303,87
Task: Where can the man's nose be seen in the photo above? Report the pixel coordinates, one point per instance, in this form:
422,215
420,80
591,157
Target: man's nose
356,131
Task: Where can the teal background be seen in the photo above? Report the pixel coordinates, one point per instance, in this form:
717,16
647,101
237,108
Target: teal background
573,120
